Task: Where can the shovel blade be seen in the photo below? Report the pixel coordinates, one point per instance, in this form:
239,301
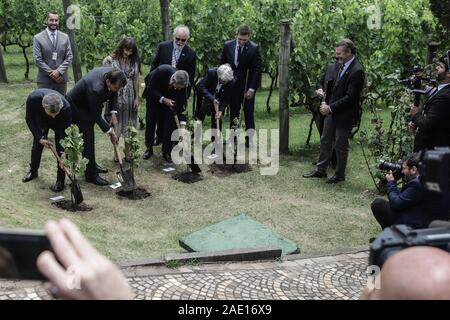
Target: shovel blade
126,178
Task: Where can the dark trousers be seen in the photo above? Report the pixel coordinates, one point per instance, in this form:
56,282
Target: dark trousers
336,138
36,154
169,126
87,129
383,213
249,107
152,119
200,114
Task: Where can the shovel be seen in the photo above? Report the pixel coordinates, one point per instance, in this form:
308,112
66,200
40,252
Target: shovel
75,189
194,167
126,177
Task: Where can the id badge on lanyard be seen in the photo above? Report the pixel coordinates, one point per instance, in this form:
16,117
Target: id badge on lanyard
55,56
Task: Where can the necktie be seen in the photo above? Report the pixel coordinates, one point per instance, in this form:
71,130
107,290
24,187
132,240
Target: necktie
175,57
239,55
53,38
341,72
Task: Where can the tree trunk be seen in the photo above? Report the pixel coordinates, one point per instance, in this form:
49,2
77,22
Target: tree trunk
3,78
273,78
165,20
27,62
76,62
285,44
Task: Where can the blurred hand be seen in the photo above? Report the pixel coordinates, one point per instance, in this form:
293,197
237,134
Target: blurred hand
412,127
390,176
169,102
219,115
325,109
320,93
249,94
136,104
82,272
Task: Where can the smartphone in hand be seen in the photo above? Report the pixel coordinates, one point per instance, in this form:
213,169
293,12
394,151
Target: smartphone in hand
19,250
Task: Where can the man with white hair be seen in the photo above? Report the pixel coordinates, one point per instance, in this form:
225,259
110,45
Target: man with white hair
214,92
46,109
165,94
179,55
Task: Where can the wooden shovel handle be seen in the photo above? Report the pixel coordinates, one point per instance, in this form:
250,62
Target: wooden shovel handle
60,162
119,157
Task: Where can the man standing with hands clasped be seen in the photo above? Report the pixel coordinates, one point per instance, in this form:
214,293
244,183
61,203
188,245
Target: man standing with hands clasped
341,113
53,55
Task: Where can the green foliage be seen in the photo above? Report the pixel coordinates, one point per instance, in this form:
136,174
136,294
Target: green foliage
73,149
133,142
105,23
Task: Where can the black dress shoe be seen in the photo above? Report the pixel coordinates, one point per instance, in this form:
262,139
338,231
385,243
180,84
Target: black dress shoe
30,176
100,169
315,174
147,154
58,187
335,179
167,157
97,180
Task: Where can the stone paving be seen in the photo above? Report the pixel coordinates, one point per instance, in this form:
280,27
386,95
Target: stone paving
332,277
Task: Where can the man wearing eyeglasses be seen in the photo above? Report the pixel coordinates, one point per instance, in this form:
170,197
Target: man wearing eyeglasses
244,56
179,55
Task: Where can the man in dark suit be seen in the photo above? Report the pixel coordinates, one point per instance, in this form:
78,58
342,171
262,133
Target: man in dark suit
413,205
244,56
324,84
341,113
214,92
46,109
87,98
179,55
431,123
165,94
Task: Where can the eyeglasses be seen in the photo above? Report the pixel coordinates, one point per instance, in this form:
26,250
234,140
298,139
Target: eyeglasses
182,40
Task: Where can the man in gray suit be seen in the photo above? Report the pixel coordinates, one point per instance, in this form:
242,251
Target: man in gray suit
53,55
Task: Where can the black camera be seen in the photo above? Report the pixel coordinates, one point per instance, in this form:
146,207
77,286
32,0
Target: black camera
415,83
399,237
434,167
396,168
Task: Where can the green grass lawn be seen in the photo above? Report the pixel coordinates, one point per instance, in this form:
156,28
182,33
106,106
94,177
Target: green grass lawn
317,216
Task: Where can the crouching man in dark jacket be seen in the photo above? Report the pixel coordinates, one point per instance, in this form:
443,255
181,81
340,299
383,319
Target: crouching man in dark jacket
413,205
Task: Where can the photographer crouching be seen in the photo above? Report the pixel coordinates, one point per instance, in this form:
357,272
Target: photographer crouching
413,205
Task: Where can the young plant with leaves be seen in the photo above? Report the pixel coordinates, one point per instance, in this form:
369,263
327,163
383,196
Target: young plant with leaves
73,160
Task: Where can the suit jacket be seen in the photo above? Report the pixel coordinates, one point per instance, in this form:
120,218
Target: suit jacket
326,82
187,60
416,206
207,88
433,122
43,51
250,61
39,122
345,97
158,87
88,96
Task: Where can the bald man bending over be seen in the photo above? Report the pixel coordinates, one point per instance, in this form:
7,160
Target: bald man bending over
417,273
